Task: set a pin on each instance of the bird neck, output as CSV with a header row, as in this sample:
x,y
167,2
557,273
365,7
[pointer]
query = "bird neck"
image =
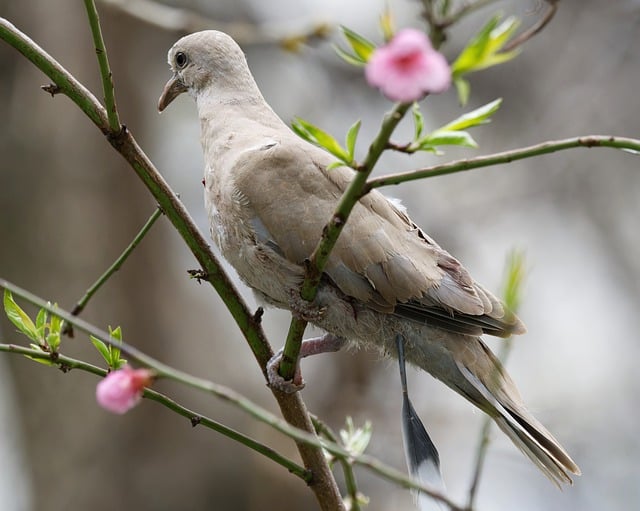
x,y
222,113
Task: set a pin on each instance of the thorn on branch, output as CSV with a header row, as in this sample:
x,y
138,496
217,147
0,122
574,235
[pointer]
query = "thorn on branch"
x,y
199,275
52,89
257,316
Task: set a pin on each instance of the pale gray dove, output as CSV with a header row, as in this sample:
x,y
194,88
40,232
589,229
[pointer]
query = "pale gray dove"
x,y
269,194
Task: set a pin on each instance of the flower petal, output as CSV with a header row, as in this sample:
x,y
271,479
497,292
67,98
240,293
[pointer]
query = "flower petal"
x,y
408,68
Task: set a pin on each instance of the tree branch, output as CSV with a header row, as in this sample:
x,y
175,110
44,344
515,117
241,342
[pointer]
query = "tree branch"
x,y
103,63
65,364
535,29
82,303
184,21
630,144
292,407
331,232
229,395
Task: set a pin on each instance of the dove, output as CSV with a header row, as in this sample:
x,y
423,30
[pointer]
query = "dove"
x,y
268,195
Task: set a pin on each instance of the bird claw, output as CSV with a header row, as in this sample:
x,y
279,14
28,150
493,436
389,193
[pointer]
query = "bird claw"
x,y
276,381
305,310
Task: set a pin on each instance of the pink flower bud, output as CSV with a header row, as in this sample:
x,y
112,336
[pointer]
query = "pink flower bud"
x,y
408,68
121,390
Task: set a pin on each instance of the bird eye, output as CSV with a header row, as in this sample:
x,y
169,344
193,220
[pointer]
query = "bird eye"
x,y
181,59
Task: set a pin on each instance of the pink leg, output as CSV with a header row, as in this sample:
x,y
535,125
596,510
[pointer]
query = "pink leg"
x,y
323,344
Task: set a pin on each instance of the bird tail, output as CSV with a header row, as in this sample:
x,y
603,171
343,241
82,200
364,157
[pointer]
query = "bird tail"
x,y
524,430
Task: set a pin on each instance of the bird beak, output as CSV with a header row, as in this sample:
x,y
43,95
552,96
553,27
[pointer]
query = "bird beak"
x,y
172,90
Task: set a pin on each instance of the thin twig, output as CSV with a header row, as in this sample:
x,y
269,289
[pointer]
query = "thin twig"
x,y
185,21
292,407
331,232
67,363
82,303
511,296
630,144
229,395
103,63
535,29
350,481
440,22
463,11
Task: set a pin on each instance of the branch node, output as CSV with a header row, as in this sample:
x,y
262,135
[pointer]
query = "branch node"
x,y
257,316
199,275
52,89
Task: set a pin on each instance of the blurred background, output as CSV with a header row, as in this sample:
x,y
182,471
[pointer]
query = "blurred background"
x,y
69,204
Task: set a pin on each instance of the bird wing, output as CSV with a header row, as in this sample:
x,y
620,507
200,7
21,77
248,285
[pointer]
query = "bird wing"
x,y
382,258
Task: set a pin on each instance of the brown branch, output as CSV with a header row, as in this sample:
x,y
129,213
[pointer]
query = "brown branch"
x,y
292,407
535,29
184,21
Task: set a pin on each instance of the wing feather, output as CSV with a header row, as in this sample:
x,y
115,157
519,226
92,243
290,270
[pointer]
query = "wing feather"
x,y
382,258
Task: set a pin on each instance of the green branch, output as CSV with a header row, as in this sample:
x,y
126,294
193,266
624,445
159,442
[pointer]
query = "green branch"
x,y
347,467
331,232
66,83
103,63
229,395
67,363
82,303
292,406
629,144
511,297
169,202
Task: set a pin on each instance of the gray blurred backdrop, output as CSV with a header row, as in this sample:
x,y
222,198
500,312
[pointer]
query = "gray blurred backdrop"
x,y
69,204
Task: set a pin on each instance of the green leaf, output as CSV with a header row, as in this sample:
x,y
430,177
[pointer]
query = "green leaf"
x,y
321,138
356,440
336,164
463,88
43,361
19,317
116,362
41,322
352,136
348,58
483,50
360,45
445,137
53,339
501,34
478,116
102,348
514,279
387,24
418,121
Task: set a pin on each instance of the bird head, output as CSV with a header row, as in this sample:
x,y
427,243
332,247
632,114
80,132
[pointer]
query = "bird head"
x,y
208,60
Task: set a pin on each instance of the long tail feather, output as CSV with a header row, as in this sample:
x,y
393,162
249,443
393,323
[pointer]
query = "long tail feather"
x,y
420,452
528,435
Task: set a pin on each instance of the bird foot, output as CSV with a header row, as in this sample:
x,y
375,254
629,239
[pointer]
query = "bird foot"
x,y
321,344
278,382
303,309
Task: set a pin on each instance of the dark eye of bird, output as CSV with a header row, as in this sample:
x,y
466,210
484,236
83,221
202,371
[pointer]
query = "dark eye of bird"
x,y
181,59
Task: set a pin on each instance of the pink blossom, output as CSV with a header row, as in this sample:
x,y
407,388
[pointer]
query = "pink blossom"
x,y
408,67
121,390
